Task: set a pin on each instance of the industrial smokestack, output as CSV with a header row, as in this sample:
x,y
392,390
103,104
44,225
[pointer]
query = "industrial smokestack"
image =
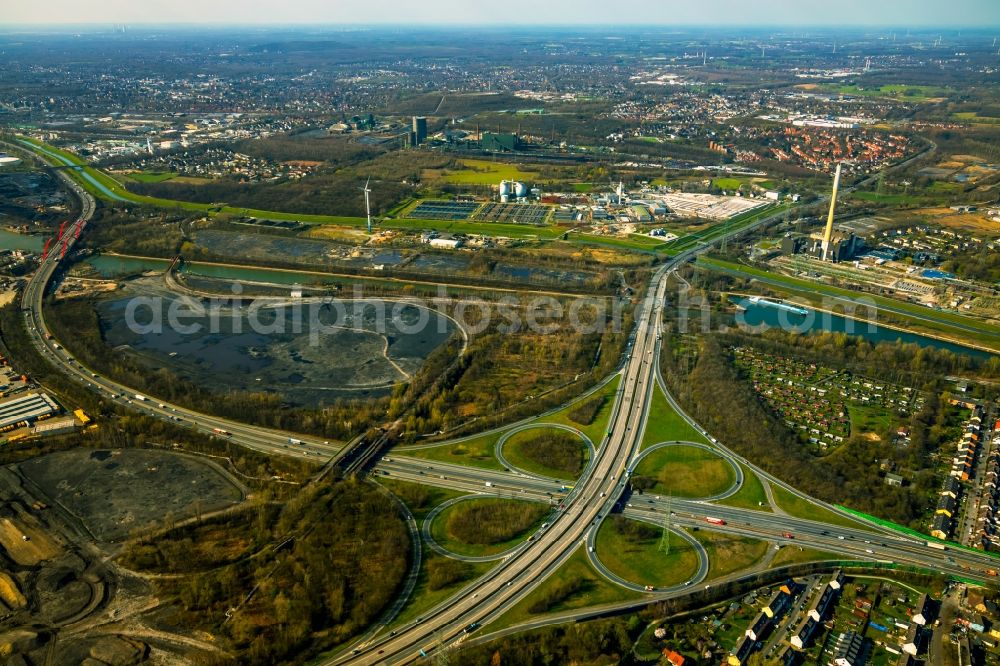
x,y
829,220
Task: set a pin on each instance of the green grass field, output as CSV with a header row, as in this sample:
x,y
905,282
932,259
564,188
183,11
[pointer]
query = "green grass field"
x,y
727,183
592,589
913,93
892,199
485,172
640,560
475,452
666,425
686,471
729,553
635,242
152,176
869,418
750,495
525,451
975,118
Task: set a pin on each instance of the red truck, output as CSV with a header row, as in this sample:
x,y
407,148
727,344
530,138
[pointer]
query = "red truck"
x,y
715,521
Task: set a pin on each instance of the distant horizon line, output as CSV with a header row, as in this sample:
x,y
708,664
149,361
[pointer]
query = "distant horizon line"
x,y
270,25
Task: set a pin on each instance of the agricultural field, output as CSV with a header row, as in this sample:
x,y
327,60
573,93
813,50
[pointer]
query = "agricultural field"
x,y
824,405
907,92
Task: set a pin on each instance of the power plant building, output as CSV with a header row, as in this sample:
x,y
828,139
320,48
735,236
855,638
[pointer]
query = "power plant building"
x,y
419,132
499,143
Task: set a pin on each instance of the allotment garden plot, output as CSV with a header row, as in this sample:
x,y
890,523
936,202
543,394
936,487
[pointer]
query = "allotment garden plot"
x,y
824,405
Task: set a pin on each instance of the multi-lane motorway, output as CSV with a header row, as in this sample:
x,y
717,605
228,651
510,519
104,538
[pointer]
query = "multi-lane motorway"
x,y
858,543
593,496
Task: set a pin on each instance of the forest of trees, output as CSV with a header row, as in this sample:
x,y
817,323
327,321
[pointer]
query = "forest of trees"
x,y
492,521
344,552
554,449
598,642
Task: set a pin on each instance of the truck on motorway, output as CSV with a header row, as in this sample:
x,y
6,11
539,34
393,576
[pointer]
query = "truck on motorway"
x,y
489,485
936,545
220,431
292,440
788,535
714,521
139,396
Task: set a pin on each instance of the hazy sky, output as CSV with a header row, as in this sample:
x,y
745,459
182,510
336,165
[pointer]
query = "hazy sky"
x,y
980,13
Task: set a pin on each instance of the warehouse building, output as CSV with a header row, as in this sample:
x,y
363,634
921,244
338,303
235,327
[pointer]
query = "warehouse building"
x,y
29,407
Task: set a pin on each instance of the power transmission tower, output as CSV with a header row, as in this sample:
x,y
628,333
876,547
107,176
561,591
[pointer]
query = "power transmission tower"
x,y
664,546
442,655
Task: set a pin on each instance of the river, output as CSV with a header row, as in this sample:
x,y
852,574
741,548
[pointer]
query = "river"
x,y
14,241
774,317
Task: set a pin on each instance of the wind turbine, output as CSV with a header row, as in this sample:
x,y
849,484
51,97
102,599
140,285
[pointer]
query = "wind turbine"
x,y
368,207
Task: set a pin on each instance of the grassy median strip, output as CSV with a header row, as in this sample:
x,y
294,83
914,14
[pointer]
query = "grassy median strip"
x,y
751,494
792,554
802,508
475,452
664,424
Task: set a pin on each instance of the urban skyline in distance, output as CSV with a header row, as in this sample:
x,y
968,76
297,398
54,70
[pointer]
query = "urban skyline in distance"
x,y
850,13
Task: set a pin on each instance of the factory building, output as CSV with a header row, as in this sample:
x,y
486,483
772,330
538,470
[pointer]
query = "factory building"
x,y
26,408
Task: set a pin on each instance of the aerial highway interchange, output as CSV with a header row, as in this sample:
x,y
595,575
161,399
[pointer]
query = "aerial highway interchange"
x,y
596,494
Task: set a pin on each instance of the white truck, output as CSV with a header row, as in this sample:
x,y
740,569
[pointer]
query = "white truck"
x,y
139,396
